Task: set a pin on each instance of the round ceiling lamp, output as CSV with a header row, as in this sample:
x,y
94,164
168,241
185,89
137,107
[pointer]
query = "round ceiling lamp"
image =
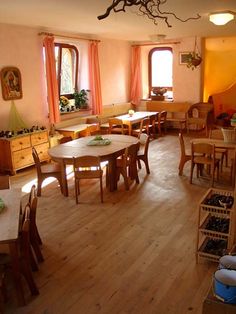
x,y
221,18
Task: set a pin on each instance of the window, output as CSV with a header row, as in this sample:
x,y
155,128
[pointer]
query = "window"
x,y
160,69
67,57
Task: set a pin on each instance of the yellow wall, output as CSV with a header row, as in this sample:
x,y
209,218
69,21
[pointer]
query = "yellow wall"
x,y
220,65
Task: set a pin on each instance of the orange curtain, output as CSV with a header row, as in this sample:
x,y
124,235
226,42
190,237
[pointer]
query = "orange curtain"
x,y
52,87
135,86
94,79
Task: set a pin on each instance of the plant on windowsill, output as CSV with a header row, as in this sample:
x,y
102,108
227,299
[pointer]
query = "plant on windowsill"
x,y
81,99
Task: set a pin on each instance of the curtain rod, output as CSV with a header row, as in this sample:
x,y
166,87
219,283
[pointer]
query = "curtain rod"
x,y
157,43
69,37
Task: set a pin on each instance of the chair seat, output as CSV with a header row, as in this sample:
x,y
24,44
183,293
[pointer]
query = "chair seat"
x,y
51,167
90,174
204,160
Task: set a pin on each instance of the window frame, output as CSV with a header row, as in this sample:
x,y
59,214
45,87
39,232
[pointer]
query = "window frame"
x,y
60,46
150,87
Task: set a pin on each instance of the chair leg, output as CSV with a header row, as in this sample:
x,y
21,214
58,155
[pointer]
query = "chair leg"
x,y
36,248
147,166
101,190
29,278
191,172
34,265
39,187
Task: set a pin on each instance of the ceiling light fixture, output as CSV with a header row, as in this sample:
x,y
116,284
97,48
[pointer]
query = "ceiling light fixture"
x,y
149,8
221,18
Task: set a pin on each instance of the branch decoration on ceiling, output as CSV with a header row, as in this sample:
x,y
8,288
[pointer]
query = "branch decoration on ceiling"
x,y
149,8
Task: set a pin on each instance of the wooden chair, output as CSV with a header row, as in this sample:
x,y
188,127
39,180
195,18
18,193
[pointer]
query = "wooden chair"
x,y
127,165
87,167
200,115
161,122
24,253
116,126
4,182
204,154
223,152
35,239
183,156
90,130
65,139
3,290
143,127
143,151
46,171
152,125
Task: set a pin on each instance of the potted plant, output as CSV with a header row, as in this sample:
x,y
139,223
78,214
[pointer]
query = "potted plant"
x,y
81,99
194,60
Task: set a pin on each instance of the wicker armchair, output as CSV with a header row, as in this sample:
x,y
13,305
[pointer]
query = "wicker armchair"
x,y
200,115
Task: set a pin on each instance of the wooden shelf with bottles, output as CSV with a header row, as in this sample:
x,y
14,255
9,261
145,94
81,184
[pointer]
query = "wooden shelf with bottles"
x,y
216,225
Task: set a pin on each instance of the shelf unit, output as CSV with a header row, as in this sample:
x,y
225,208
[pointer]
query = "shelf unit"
x,y
218,239
16,152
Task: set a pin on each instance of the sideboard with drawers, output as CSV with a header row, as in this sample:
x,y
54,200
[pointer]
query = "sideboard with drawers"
x,y
16,152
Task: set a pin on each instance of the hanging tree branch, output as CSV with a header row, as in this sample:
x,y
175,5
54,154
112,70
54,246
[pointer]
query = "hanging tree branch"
x,y
149,8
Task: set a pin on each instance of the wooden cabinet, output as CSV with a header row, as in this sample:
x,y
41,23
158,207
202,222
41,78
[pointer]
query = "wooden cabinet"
x,y
16,152
216,225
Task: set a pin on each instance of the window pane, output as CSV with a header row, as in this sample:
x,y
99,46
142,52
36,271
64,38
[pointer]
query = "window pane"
x,y
67,77
161,63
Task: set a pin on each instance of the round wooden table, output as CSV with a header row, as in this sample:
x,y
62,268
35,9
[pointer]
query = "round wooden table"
x,y
65,153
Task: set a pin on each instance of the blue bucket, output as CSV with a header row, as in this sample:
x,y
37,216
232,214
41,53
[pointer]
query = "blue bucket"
x,y
225,285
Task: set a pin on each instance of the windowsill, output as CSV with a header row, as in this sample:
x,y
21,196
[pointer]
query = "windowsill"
x,y
74,114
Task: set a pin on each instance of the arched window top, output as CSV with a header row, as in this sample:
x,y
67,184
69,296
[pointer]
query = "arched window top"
x,y
160,61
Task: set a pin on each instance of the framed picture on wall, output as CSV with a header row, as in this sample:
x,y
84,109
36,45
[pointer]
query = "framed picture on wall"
x,y
183,57
11,83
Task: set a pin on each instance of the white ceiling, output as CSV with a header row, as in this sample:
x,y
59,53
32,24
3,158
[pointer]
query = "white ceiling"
x,y
80,17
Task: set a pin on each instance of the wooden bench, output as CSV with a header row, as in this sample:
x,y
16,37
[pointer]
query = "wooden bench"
x,y
74,127
176,111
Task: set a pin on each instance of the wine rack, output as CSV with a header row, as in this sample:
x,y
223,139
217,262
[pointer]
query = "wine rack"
x,y
216,225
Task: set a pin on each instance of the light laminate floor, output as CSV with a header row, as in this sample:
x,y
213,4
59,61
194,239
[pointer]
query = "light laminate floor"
x,y
134,254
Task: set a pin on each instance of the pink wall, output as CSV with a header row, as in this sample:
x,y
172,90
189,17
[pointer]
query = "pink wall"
x,y
186,82
114,59
21,47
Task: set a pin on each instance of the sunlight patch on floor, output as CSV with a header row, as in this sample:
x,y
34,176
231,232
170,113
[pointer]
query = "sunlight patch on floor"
x,y
27,187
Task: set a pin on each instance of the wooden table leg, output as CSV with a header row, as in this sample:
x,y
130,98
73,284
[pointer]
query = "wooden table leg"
x,y
13,247
112,174
64,179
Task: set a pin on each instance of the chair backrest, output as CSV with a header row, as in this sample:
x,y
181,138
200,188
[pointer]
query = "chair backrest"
x,y
200,110
117,124
87,166
203,149
144,140
162,116
33,202
182,144
93,120
65,139
24,234
36,160
4,182
216,134
93,129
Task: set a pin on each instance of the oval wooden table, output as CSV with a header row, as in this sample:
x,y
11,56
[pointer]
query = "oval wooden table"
x,y
64,154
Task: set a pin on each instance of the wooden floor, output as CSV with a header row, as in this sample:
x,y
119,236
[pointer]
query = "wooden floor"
x,y
134,254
